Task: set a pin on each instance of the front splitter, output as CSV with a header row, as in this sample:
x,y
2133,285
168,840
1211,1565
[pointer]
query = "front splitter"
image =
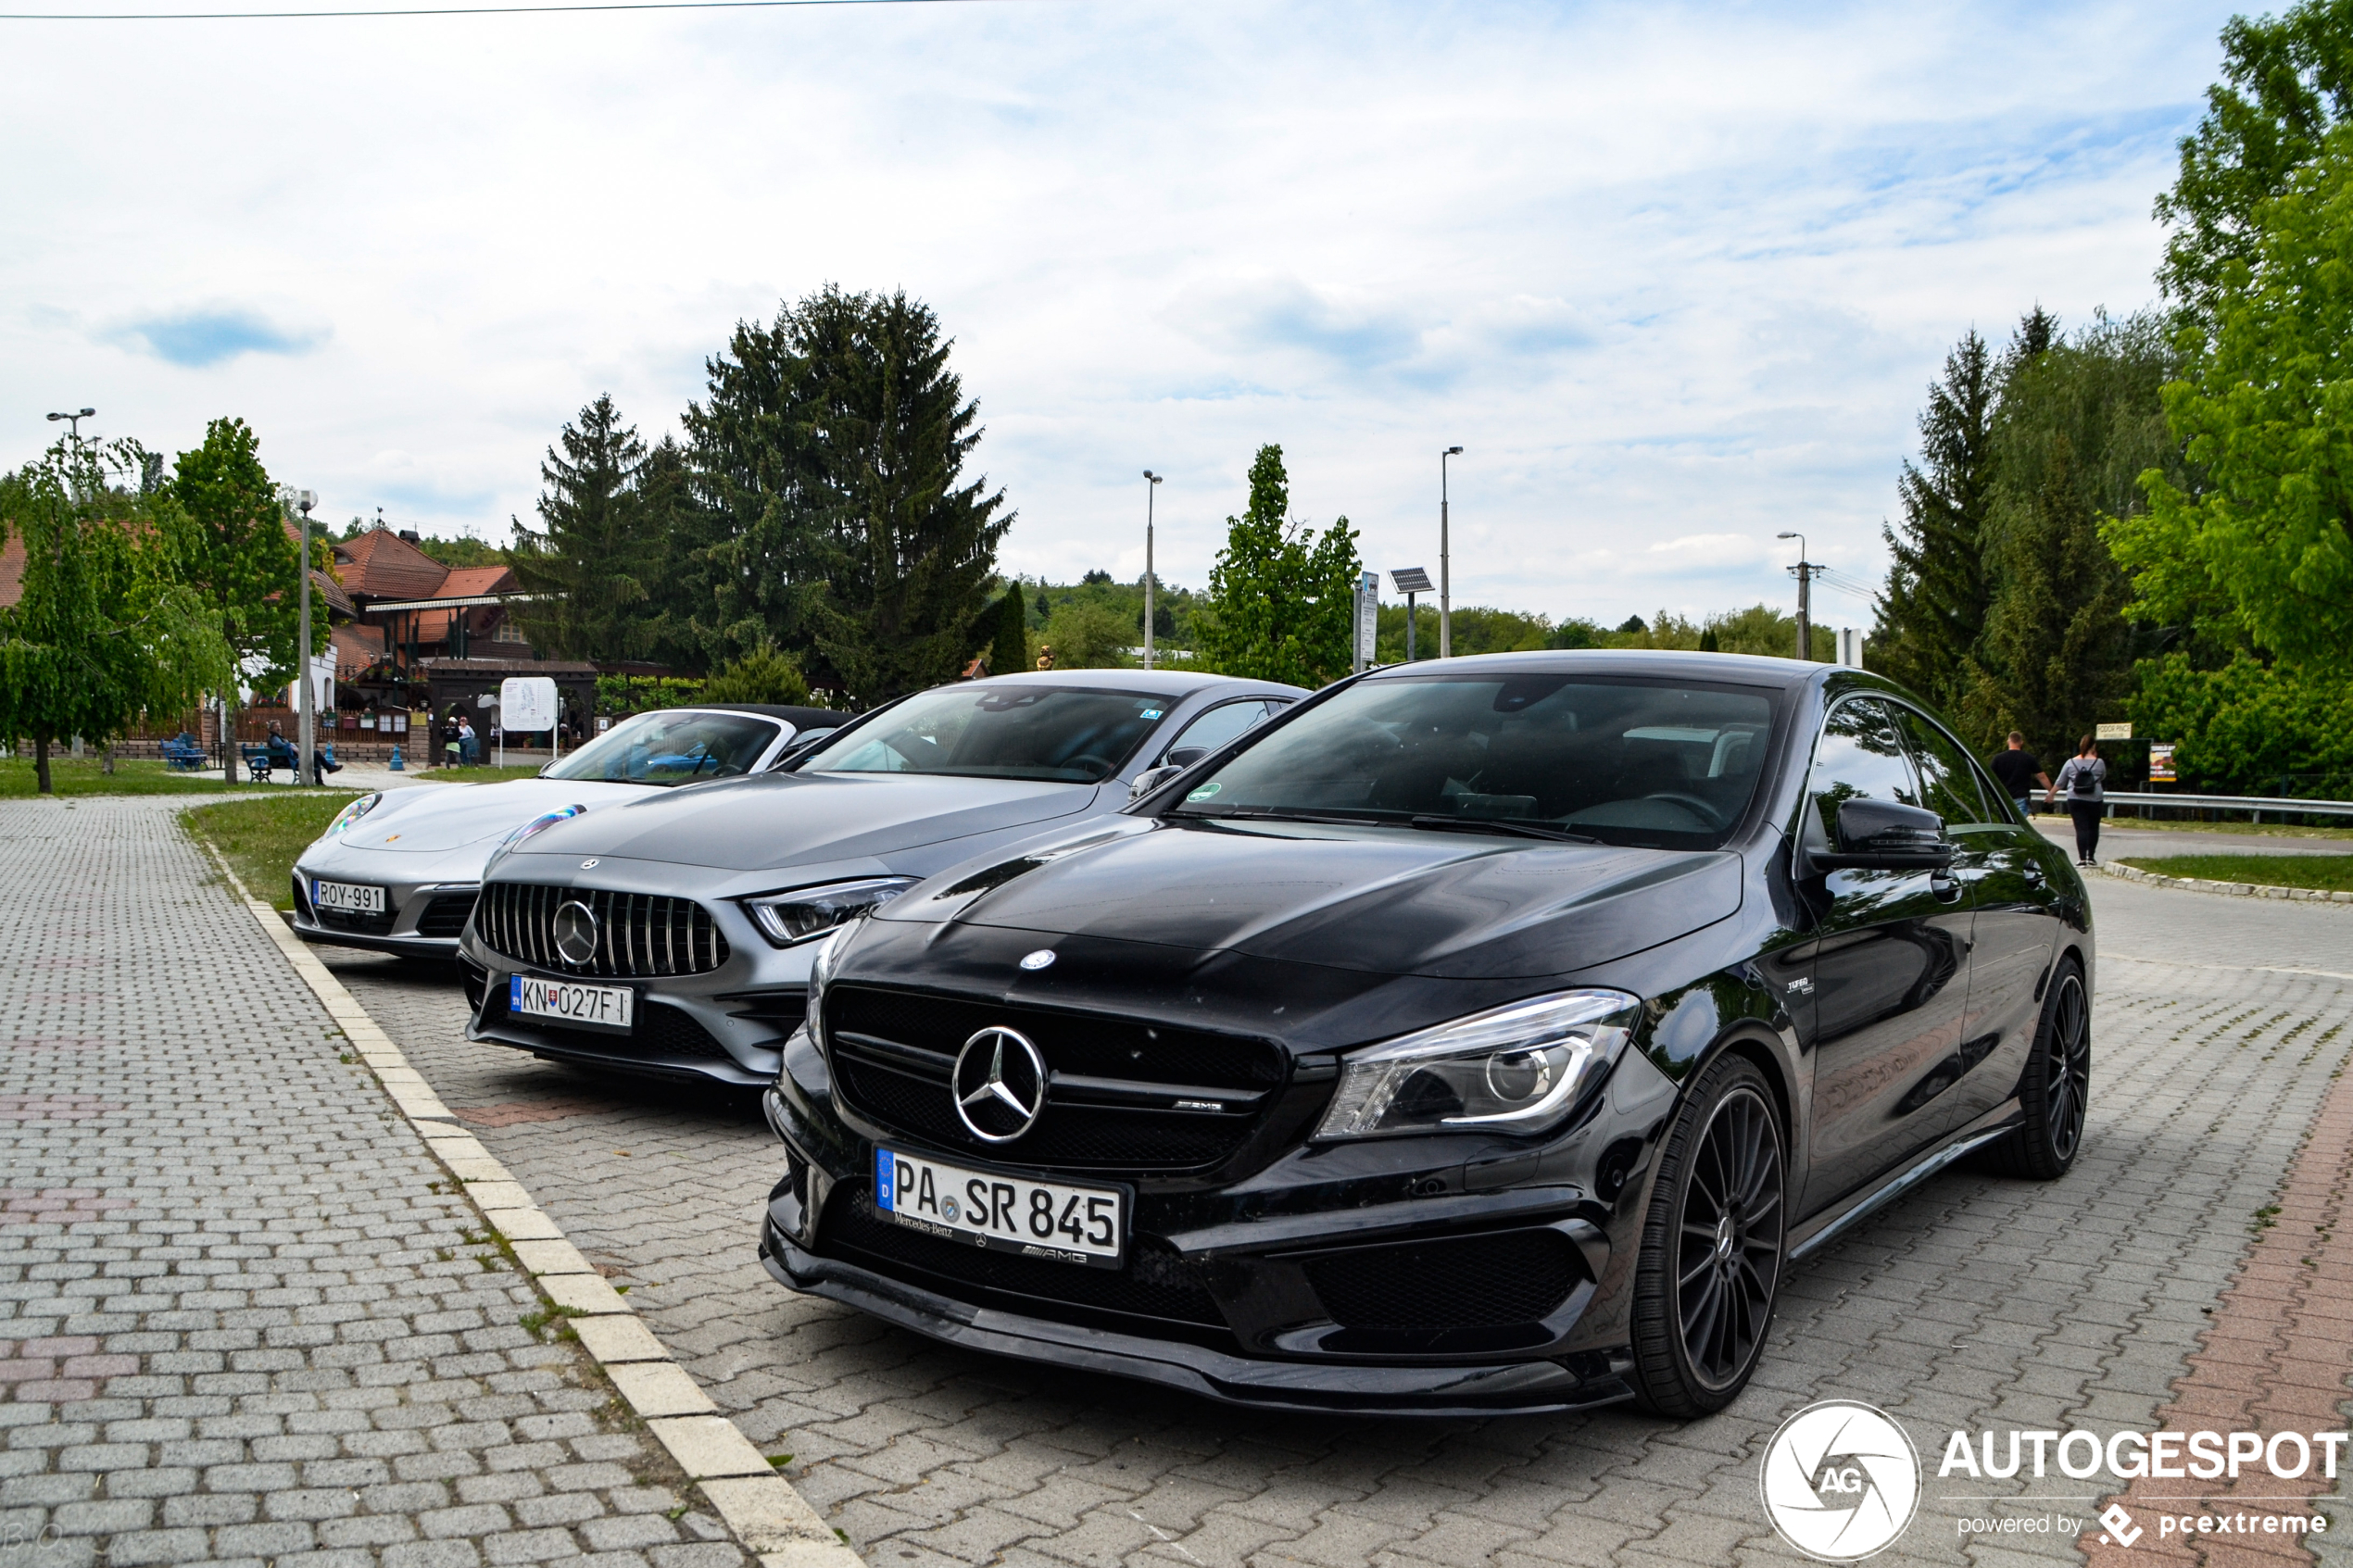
x,y
1306,1387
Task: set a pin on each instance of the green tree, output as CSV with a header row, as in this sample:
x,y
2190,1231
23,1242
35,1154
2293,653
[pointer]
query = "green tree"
x,y
586,571
1008,647
2287,82
907,544
765,674
107,627
745,562
2266,544
2249,727
1933,610
1086,635
1282,602
242,560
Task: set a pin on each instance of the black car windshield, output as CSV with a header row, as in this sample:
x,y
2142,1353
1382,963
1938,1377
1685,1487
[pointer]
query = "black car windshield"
x,y
1664,763
671,748
1063,734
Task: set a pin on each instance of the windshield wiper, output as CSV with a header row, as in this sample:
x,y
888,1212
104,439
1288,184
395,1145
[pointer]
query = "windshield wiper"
x,y
1290,814
1501,825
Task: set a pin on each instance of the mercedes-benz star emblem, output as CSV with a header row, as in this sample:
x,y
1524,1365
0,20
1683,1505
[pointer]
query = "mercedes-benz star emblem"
x,y
575,933
999,1085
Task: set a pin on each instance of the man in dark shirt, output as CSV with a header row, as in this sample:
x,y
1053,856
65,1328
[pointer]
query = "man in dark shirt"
x,y
2020,772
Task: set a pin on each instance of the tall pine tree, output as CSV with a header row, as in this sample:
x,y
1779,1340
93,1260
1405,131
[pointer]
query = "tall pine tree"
x,y
588,570
1009,644
1933,610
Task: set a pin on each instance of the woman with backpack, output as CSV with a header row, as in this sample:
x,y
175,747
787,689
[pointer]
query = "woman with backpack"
x,y
2079,781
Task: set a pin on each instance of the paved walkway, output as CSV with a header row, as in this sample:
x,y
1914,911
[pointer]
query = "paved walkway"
x,y
1976,1302
244,1320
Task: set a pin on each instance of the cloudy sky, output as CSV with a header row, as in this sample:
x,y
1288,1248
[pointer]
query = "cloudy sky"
x,y
1675,277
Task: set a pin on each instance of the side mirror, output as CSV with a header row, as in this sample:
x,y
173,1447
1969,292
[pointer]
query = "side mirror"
x,y
1151,779
1184,756
1883,836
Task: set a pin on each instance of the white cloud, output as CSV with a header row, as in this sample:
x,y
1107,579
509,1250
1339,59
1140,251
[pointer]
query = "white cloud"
x,y
1667,272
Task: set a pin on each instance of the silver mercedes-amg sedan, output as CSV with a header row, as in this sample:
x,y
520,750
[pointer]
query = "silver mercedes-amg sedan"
x,y
673,936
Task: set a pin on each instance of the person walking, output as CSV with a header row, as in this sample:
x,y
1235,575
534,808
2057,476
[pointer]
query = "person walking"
x,y
2019,772
2080,779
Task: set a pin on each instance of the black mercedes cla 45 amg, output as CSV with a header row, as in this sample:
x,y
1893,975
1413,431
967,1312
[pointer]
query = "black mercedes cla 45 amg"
x,y
1492,1035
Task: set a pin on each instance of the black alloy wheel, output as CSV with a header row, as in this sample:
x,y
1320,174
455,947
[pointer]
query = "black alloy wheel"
x,y
2055,1092
1710,1267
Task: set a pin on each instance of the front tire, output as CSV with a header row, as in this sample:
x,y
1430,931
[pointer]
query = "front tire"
x,y
1710,1267
2056,1089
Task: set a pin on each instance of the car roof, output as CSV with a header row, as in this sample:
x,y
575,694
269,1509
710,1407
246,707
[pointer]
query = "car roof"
x,y
798,718
1158,683
1751,669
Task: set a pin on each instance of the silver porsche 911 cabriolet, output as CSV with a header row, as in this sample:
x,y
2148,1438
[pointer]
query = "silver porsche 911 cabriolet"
x,y
398,871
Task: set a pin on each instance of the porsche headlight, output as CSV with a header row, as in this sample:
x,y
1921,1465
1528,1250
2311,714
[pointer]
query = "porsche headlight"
x,y
353,812
1515,1068
789,918
546,820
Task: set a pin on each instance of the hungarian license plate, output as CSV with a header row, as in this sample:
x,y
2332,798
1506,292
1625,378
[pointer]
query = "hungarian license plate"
x,y
1058,1220
567,1003
351,898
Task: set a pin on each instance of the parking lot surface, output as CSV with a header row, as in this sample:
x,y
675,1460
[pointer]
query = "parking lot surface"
x,y
244,1317
1974,1301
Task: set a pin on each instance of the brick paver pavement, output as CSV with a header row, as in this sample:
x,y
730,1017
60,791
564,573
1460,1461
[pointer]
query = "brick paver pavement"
x,y
243,1318
1974,1301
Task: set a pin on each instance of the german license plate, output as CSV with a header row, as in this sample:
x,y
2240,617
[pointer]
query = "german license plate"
x,y
567,1003
1058,1220
351,898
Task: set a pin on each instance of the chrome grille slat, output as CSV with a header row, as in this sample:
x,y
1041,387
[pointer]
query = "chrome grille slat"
x,y
640,936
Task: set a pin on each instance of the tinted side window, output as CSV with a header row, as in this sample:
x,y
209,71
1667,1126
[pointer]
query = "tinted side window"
x,y
1858,758
1944,771
1214,727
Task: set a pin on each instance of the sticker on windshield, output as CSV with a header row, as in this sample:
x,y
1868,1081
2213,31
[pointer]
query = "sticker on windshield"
x,y
1204,792
1152,713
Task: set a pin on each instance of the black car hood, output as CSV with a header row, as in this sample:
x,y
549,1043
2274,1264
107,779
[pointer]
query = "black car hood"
x,y
1383,902
778,819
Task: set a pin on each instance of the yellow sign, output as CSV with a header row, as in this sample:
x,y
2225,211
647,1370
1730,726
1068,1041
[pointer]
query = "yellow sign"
x,y
2112,731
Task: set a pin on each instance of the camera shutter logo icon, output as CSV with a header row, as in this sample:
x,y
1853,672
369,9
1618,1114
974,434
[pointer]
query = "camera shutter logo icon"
x,y
1841,1481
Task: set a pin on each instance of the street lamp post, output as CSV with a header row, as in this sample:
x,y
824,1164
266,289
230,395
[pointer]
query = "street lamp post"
x,y
1804,571
73,423
308,719
1445,578
1149,491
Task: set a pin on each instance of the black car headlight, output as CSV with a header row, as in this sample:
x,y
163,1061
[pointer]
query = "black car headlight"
x,y
788,917
1515,1068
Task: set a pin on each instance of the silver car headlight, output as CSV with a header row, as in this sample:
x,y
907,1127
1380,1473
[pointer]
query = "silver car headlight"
x,y
788,918
1515,1068
353,812
821,969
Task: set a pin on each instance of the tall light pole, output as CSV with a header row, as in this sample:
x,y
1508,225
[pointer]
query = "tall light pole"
x,y
73,423
1804,571
1446,579
308,720
1149,491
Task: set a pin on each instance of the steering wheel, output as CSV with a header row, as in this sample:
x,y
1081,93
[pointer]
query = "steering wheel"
x,y
1100,764
1694,804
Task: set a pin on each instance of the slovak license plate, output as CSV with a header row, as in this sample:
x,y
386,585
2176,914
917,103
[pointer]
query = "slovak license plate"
x,y
1057,1220
351,898
565,1001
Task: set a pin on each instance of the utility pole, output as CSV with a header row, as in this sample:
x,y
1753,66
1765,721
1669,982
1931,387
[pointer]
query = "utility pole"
x,y
1805,572
308,720
1149,491
1446,579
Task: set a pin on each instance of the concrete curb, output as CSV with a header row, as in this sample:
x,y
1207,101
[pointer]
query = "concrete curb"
x,y
2231,889
774,1522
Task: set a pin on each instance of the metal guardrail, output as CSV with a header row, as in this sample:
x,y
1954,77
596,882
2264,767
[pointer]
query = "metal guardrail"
x,y
2259,804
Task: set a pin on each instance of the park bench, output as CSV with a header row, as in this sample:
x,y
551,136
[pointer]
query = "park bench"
x,y
182,753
